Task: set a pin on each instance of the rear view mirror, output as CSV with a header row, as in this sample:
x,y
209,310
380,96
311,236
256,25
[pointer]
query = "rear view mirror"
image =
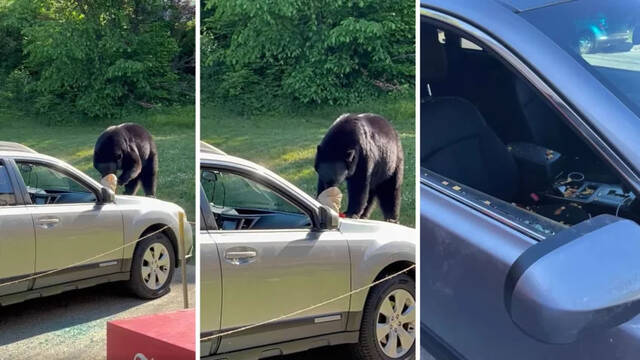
x,y
209,176
583,280
26,168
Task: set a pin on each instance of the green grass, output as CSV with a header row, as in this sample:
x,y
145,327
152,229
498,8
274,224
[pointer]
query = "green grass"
x,y
286,144
172,128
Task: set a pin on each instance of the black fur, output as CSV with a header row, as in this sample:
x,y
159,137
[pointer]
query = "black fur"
x,y
130,148
364,150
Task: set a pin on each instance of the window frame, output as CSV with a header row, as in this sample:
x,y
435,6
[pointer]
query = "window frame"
x,y
60,169
306,208
256,188
15,183
489,44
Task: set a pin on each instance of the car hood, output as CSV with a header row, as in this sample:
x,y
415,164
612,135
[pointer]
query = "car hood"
x,y
372,226
147,202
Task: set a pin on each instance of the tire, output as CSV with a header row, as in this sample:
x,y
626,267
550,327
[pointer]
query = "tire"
x,y
369,347
146,285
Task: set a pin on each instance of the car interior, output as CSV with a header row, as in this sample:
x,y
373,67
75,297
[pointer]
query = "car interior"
x,y
238,203
47,186
486,127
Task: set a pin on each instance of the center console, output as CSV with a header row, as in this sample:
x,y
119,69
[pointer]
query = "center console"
x,y
613,197
542,172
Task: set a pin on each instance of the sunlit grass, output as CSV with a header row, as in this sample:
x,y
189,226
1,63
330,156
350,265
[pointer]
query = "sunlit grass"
x,y
286,143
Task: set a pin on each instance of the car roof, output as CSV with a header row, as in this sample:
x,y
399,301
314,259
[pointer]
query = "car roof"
x,y
210,149
517,6
526,5
211,153
15,147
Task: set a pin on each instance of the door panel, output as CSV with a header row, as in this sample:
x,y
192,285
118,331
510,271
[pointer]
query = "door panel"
x,y
210,293
17,247
69,234
465,257
267,274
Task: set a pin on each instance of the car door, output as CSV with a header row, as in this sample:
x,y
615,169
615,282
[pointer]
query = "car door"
x,y
73,232
466,254
210,281
282,267
17,241
469,243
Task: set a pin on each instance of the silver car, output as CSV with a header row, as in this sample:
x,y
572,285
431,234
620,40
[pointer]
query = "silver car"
x,y
268,249
59,228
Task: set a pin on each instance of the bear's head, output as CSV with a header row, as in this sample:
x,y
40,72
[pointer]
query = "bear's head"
x,y
334,168
109,152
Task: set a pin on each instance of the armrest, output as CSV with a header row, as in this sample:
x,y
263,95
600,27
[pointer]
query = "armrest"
x,y
537,165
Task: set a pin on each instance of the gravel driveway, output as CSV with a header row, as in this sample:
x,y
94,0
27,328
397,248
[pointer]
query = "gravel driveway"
x,y
73,325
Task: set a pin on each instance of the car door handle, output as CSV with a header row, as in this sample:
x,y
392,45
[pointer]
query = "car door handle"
x,y
48,222
240,254
238,257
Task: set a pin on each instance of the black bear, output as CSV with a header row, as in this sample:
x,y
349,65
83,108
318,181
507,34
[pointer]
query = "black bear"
x,y
364,150
128,147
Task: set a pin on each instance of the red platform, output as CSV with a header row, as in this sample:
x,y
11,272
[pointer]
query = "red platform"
x,y
158,337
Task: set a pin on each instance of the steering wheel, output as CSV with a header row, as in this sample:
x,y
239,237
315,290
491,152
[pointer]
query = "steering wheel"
x,y
48,198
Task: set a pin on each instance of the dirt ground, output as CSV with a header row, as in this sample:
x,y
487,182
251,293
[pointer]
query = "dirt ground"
x,y
73,325
334,353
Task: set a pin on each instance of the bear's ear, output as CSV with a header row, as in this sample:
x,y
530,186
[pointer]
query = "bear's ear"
x,y
351,155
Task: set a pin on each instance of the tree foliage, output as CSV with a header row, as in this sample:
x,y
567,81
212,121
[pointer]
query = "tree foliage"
x,y
96,57
306,51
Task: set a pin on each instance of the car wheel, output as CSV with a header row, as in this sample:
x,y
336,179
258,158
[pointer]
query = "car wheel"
x,y
587,43
388,329
152,267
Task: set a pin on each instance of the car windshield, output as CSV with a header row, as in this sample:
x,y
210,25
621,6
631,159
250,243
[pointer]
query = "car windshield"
x,y
603,35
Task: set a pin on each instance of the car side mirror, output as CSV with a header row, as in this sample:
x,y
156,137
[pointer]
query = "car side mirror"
x,y
583,280
329,219
106,195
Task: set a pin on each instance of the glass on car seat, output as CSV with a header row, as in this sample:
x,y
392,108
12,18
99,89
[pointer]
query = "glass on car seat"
x,y
48,186
239,203
7,195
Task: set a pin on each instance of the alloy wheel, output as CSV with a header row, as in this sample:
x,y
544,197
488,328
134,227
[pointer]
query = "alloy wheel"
x,y
156,265
395,329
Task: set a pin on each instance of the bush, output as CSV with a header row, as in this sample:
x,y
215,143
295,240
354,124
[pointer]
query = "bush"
x,y
98,59
264,54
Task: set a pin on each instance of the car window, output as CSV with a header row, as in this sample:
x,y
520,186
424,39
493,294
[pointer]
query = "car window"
x,y
7,195
490,135
239,203
46,185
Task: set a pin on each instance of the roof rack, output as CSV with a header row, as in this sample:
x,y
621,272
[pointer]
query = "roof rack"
x,y
210,149
14,146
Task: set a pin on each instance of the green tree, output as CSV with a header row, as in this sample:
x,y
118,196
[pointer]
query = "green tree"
x,y
306,51
98,57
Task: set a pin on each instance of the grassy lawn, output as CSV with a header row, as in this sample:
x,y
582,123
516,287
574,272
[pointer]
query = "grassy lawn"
x,y
173,130
286,144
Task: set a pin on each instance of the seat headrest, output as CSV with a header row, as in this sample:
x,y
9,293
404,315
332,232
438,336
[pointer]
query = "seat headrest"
x,y
433,57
